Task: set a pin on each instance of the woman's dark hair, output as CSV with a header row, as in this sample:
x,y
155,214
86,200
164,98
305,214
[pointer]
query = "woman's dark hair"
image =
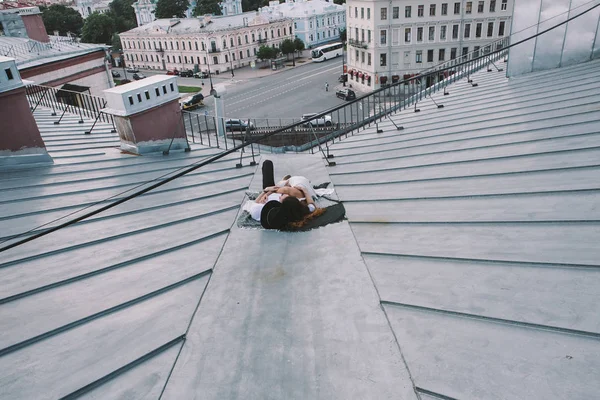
x,y
294,208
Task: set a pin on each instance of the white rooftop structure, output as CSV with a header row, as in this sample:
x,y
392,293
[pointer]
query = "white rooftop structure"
x,y
141,95
9,75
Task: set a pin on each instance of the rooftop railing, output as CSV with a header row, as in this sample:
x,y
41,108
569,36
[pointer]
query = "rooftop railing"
x,y
63,101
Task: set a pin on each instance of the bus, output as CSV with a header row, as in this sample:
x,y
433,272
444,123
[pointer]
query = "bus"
x,y
327,52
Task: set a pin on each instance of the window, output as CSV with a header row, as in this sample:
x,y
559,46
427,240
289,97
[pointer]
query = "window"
x,y
147,94
355,32
355,13
407,11
157,91
465,51
395,12
226,58
443,29
419,56
368,13
478,30
467,31
164,89
503,5
432,10
429,55
456,8
453,53
444,8
490,31
369,35
492,5
419,34
384,13
9,74
168,60
356,58
177,45
196,43
420,10
362,35
383,36
362,13
442,54
284,31
475,51
179,59
368,58
382,60
248,52
241,55
278,32
172,87
407,34
480,6
139,97
469,7
130,100
215,60
362,57
431,33
501,28
455,31
185,59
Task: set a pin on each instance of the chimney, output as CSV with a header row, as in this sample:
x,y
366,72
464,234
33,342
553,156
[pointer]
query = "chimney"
x,y
32,19
147,115
20,139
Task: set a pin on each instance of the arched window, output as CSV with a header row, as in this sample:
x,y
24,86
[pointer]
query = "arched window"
x,y
196,43
185,59
183,46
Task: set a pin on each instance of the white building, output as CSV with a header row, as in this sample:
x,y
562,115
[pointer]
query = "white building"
x,y
87,7
144,9
315,22
389,41
220,43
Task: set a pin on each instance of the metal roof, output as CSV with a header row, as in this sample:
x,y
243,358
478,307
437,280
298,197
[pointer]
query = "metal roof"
x,y
467,268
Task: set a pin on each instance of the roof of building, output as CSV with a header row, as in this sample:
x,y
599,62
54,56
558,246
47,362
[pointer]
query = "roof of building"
x,y
302,9
468,266
29,53
197,25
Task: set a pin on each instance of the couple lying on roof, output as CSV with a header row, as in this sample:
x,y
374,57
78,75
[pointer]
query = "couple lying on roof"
x,y
290,200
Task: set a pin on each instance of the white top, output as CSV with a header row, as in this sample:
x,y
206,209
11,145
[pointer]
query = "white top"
x,y
255,208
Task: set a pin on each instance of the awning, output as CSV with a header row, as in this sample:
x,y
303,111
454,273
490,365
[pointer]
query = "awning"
x,y
360,74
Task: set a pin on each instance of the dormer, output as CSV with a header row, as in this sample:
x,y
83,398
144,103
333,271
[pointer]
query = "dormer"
x,y
9,75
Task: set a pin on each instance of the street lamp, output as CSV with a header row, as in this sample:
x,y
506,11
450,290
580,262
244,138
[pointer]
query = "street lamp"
x,y
344,76
212,89
231,63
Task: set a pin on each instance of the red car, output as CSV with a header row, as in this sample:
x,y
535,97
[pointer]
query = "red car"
x,y
173,72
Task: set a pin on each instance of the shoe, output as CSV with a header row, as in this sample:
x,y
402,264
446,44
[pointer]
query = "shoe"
x,y
322,185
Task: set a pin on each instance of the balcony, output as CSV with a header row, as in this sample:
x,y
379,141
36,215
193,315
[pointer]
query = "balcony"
x,y
358,43
262,40
214,50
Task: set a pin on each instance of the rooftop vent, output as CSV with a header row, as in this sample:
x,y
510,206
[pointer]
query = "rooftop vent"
x,y
174,21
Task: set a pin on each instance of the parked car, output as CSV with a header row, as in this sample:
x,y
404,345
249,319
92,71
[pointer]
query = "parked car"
x,y
321,121
346,94
201,75
173,72
187,73
115,74
133,70
194,102
343,78
138,76
238,125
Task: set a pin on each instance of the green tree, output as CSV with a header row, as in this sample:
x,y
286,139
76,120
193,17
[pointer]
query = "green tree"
x,y
123,14
204,7
343,35
288,47
340,2
171,8
298,44
266,53
116,42
62,19
98,28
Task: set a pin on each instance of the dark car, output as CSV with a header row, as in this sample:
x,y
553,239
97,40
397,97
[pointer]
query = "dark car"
x,y
133,70
346,94
115,74
186,74
201,75
137,77
238,125
343,78
194,102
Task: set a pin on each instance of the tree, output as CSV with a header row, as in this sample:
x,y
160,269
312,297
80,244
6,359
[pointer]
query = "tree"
x,y
171,8
298,44
343,35
98,28
340,2
123,14
62,19
204,7
265,53
288,46
116,42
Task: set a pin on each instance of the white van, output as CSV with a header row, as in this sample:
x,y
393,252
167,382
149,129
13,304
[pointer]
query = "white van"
x,y
321,121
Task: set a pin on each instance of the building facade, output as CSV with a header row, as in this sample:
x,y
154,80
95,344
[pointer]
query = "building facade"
x,y
88,7
144,9
388,41
217,43
315,22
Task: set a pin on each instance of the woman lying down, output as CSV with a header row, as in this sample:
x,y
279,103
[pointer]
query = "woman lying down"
x,y
277,206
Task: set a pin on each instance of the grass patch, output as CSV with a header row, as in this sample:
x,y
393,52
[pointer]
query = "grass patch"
x,y
189,89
